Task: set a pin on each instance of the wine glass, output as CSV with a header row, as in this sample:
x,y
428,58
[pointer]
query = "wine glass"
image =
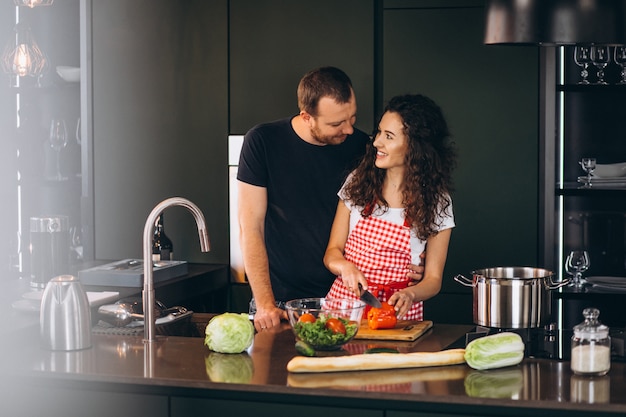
x,y
588,165
78,135
619,56
58,141
582,58
600,57
576,263
76,242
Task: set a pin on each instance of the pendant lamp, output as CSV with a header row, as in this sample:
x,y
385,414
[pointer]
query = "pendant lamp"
x,y
22,55
33,3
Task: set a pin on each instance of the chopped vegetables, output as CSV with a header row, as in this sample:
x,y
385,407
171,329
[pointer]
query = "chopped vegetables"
x,y
382,318
304,349
336,326
307,318
326,332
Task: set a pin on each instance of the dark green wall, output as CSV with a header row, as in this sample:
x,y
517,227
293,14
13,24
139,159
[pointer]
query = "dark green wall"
x,y
160,122
173,79
274,42
489,95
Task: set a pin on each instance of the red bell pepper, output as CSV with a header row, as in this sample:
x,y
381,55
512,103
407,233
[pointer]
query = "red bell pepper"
x,y
382,318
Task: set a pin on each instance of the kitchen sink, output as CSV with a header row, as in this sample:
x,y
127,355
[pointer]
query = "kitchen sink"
x,y
191,325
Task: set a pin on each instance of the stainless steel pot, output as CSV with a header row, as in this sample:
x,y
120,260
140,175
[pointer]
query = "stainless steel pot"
x,y
511,297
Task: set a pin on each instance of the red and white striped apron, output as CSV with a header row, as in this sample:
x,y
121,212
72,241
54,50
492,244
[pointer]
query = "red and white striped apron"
x,y
382,251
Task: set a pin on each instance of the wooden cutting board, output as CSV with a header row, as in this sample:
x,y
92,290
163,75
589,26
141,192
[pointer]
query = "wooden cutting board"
x,y
406,330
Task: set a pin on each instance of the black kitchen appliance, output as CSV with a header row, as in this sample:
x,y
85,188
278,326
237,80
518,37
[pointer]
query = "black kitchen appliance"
x,y
547,342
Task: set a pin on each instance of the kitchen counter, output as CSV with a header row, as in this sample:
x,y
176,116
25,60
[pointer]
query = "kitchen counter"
x,y
179,376
203,288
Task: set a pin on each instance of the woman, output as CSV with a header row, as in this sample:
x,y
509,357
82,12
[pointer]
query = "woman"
x,y
395,205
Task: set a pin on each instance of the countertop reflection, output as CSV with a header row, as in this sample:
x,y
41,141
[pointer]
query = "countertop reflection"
x,y
185,362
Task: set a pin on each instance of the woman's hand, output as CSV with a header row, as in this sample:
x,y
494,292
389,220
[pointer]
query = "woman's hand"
x,y
352,277
334,259
401,301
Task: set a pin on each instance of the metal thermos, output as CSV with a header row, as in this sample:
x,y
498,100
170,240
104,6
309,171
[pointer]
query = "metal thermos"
x,y
49,249
65,317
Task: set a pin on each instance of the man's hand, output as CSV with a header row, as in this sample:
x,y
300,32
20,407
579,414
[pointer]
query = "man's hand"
x,y
268,318
416,273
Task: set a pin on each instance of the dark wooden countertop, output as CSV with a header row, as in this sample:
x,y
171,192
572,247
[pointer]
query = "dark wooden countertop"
x,y
182,369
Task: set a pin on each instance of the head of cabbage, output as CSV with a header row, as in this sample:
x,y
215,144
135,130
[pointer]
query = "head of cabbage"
x,y
495,383
229,368
229,333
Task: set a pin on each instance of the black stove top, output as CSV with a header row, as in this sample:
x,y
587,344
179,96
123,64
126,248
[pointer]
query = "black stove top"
x,y
546,342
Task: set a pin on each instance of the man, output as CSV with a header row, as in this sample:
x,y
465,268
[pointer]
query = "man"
x,y
289,173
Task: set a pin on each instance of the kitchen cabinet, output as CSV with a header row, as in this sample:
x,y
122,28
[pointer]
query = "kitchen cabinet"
x,y
583,121
590,124
39,180
184,407
153,106
423,414
489,95
60,400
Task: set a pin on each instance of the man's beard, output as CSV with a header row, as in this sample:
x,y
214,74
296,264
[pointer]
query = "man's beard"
x,y
326,139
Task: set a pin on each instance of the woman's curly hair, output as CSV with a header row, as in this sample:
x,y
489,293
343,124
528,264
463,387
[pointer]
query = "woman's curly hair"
x,y
430,160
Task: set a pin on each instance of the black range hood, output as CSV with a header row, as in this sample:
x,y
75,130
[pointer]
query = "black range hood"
x,y
555,22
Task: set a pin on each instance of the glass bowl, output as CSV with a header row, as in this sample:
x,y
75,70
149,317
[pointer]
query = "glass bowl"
x,y
323,323
69,74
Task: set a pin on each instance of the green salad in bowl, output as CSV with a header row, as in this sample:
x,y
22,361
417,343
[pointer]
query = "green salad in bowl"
x,y
325,324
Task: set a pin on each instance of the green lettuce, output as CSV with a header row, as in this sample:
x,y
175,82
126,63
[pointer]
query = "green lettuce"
x,y
229,333
500,383
319,337
495,351
222,367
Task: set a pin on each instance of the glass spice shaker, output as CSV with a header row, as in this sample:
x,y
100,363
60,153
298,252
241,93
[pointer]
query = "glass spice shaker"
x,y
591,346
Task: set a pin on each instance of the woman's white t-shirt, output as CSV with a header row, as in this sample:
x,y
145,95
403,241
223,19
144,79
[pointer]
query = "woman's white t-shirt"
x,y
396,216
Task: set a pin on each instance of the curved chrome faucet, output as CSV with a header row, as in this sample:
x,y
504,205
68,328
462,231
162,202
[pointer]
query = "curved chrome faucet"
x,y
148,270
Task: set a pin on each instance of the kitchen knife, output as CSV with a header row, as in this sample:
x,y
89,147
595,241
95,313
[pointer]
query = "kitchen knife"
x,y
369,298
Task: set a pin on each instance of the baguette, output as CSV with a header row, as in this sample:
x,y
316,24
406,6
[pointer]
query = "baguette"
x,y
382,377
373,361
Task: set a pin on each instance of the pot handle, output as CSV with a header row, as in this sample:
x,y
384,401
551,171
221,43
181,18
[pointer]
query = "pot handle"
x,y
555,285
463,281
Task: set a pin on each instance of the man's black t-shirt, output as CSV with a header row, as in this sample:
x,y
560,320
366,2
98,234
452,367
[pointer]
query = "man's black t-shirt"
x,y
302,181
